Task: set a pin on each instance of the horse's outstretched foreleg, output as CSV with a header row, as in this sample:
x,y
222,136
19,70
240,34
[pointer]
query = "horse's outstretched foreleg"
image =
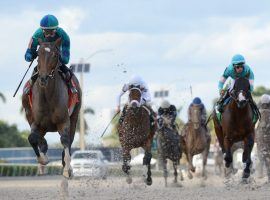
x,y
165,170
34,139
43,147
126,164
248,145
64,129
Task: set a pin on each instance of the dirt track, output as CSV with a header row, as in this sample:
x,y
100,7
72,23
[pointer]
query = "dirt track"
x,y
116,188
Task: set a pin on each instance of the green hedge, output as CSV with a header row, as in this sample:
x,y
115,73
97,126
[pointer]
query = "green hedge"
x,y
27,170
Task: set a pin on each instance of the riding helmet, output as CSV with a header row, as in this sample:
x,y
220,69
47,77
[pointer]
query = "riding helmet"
x,y
49,22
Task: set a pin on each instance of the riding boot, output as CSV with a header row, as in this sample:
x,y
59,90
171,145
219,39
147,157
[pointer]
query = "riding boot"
x,y
221,102
68,78
32,80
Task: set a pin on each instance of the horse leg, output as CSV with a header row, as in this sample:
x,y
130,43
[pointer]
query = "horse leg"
x,y
64,129
43,146
175,171
190,165
267,165
34,139
147,161
165,171
248,145
126,164
205,155
228,156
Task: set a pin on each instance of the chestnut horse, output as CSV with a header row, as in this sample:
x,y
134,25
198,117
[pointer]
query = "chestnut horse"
x,y
135,131
195,139
237,125
48,110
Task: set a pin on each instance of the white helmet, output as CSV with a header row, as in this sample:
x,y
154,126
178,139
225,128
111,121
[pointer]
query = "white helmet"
x,y
165,104
265,99
136,80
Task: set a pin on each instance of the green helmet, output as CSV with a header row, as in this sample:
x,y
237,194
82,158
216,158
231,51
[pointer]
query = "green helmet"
x,y
49,22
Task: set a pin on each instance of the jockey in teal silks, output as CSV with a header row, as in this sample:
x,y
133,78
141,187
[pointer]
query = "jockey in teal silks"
x,y
237,68
50,32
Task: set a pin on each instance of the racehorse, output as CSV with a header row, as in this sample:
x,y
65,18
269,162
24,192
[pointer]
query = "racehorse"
x,y
47,107
237,125
135,131
168,141
195,139
263,140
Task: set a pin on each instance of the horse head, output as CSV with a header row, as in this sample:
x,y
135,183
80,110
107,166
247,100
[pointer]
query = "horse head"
x,y
196,113
135,94
241,92
48,60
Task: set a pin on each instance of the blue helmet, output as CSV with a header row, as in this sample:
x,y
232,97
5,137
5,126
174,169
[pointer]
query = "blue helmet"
x,y
49,22
196,100
237,59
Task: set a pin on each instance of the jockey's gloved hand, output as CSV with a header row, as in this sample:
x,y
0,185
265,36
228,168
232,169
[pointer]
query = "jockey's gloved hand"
x,y
28,55
222,92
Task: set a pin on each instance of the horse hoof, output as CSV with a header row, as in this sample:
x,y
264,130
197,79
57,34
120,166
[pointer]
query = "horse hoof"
x,y
244,180
43,159
68,173
245,175
129,180
193,169
190,176
149,181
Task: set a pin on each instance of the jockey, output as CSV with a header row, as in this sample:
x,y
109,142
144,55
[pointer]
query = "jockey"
x,y
167,109
50,32
145,97
237,68
197,102
264,102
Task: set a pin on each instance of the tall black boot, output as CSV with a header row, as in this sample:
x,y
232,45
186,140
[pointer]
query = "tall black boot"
x,y
221,101
68,76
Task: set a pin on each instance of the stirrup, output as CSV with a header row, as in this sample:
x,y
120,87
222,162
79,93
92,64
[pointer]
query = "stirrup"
x,y
73,90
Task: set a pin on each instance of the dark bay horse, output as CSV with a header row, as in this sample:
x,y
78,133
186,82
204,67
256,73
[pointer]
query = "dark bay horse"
x,y
48,110
195,139
237,125
168,141
135,131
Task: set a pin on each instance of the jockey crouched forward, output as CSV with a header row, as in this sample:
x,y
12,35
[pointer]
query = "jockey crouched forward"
x,y
237,68
145,98
50,32
167,111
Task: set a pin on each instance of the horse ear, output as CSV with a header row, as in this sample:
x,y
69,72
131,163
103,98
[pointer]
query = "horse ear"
x,y
39,41
58,42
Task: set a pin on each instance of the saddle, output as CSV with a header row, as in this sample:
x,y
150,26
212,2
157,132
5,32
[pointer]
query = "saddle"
x,y
255,110
72,100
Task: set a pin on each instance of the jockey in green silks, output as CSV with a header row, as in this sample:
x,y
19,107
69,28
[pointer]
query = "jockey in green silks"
x,y
50,32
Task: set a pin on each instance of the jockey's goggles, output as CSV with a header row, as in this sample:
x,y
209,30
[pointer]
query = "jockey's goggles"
x,y
238,66
49,32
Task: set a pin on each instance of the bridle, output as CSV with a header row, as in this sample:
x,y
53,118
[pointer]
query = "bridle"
x,y
51,75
